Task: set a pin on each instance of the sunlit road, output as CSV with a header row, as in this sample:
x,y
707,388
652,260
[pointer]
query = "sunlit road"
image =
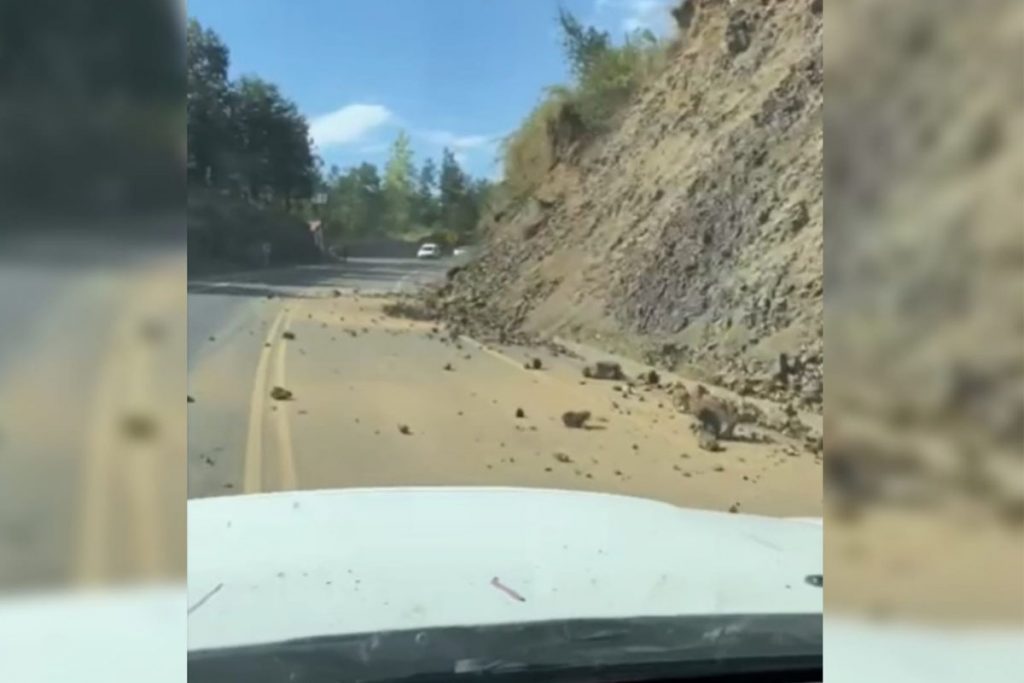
x,y
378,400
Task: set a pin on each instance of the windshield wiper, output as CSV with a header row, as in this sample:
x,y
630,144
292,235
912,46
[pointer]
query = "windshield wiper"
x,y
692,647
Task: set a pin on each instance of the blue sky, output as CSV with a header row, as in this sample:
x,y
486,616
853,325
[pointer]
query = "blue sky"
x,y
456,73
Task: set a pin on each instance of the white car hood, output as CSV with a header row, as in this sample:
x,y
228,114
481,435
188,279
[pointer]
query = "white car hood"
x,y
273,567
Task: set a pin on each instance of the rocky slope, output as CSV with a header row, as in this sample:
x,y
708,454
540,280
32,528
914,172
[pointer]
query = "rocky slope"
x,y
691,235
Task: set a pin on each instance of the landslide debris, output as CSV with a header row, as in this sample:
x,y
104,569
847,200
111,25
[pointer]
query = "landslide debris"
x,y
689,236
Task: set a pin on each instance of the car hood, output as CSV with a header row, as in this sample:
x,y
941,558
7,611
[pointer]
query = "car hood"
x,y
273,567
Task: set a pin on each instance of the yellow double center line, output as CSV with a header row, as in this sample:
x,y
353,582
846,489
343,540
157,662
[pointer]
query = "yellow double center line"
x,y
128,445
271,354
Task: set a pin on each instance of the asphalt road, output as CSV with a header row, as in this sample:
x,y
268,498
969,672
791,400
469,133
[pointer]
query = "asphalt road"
x,y
91,446
382,401
93,373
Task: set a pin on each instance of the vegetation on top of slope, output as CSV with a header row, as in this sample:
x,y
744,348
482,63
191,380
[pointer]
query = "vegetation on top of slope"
x,y
605,77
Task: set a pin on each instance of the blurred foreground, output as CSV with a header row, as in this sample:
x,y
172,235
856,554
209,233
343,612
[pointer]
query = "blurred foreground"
x,y
925,328
92,352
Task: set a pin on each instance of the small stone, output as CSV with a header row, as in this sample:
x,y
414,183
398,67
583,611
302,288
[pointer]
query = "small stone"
x,y
288,335
281,394
575,419
139,427
562,458
153,331
520,413
404,429
708,441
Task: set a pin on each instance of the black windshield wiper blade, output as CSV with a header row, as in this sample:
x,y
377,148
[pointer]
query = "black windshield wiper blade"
x,y
692,645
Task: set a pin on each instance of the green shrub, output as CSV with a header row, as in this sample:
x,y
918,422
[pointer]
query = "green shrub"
x,y
614,77
528,153
605,79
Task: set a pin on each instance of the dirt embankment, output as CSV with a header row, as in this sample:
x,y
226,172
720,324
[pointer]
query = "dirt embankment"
x,y
690,236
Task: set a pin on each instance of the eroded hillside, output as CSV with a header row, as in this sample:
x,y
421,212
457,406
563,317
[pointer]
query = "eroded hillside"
x,y
690,235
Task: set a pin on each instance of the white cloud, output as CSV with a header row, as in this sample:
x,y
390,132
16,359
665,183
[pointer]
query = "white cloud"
x,y
444,138
349,124
632,15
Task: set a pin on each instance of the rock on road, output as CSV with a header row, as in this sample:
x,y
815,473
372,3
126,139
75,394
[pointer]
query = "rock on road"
x,y
378,400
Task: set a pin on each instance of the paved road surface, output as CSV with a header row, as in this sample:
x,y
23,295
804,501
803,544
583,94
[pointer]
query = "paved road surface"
x,y
92,416
380,401
91,421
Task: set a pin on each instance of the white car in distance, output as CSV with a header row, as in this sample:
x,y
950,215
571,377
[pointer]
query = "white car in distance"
x,y
429,250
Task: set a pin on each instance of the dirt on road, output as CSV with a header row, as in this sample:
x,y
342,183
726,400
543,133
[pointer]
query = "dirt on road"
x,y
376,400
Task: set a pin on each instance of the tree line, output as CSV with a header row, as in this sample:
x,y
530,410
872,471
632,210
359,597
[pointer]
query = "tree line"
x,y
243,136
248,140
438,200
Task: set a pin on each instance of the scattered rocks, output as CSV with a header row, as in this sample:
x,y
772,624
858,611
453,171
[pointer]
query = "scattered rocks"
x,y
738,32
814,443
575,419
708,441
281,394
152,331
604,370
533,364
710,295
139,427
